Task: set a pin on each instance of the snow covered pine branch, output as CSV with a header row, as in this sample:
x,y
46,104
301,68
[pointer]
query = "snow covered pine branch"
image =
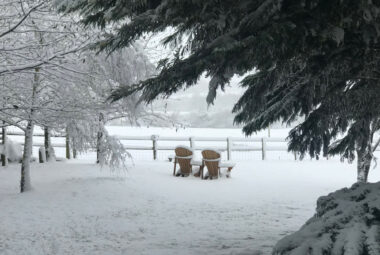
x,y
346,222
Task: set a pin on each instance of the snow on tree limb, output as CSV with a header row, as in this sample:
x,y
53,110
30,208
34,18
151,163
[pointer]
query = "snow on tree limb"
x,y
12,29
346,222
39,63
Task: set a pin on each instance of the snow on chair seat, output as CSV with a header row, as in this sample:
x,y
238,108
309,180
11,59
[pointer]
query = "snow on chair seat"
x,y
229,165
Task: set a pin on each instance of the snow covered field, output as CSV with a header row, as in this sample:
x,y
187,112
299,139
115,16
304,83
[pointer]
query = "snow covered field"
x,y
78,208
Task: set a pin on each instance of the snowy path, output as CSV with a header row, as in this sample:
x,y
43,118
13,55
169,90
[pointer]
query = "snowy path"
x,y
77,209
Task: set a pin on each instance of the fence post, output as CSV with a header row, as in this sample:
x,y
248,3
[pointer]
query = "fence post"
x,y
47,144
191,139
229,148
154,140
263,148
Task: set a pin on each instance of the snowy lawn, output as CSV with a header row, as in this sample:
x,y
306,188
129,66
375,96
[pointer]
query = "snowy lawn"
x,y
75,208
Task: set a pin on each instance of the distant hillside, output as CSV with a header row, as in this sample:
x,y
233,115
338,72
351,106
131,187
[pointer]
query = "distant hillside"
x,y
189,107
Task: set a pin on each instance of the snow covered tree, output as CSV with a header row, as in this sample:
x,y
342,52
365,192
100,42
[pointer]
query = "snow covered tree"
x,y
43,81
106,73
33,55
344,124
27,29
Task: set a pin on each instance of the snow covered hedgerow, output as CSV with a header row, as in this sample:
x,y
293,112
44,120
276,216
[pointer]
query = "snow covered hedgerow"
x,y
346,222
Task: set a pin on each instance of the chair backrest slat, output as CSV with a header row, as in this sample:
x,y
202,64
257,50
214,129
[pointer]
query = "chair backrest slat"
x,y
211,159
183,157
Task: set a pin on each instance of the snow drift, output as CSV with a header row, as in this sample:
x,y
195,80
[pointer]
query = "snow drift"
x,y
346,222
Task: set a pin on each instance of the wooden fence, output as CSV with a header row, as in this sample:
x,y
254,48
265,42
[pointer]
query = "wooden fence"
x,y
257,144
15,133
261,144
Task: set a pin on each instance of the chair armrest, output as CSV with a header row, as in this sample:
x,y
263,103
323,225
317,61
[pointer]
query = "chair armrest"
x,y
227,164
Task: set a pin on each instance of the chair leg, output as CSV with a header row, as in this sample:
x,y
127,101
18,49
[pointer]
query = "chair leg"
x,y
201,171
175,164
229,172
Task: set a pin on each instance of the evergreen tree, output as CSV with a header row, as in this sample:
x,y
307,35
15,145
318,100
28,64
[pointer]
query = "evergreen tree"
x,y
313,59
308,56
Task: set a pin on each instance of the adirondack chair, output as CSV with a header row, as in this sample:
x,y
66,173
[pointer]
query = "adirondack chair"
x,y
212,160
183,156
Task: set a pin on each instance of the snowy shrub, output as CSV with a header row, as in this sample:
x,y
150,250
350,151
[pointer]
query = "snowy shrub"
x,y
112,152
52,156
13,151
82,134
42,154
346,222
84,137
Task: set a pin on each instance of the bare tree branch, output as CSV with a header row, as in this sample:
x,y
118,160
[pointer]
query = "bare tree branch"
x,y
20,21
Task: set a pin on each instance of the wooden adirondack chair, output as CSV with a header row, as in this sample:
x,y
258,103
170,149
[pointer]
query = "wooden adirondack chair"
x,y
183,156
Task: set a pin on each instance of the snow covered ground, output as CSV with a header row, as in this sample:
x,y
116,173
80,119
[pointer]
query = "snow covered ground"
x,y
76,208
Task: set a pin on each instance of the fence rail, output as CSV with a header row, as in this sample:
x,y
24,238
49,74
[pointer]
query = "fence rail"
x,y
261,144
12,133
231,144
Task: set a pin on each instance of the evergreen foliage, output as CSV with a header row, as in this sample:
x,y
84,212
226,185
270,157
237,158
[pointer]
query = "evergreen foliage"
x,y
346,222
312,59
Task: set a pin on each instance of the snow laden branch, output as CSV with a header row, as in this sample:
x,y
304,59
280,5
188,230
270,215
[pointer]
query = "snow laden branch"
x,y
112,153
38,63
84,137
38,37
12,29
346,222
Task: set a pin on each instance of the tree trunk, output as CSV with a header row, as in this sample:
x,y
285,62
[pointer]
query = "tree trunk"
x,y
74,149
4,159
25,183
47,143
68,155
100,136
49,150
363,165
